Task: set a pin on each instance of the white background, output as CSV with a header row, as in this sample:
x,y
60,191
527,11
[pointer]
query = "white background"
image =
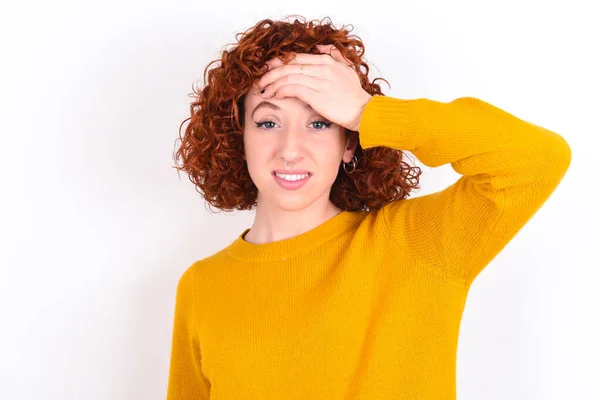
x,y
96,226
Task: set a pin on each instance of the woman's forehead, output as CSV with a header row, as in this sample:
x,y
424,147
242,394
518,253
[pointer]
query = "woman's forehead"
x,y
287,104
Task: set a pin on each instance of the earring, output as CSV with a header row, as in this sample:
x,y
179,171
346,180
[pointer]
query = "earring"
x,y
353,163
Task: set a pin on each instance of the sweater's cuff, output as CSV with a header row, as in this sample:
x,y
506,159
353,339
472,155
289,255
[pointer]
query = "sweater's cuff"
x,y
385,121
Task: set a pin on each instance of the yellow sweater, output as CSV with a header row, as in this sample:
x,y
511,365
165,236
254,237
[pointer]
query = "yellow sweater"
x,y
368,304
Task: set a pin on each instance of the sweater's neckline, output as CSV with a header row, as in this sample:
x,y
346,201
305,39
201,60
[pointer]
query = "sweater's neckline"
x,y
287,248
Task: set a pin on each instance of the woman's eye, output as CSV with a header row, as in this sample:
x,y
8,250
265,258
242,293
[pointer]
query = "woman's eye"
x,y
262,123
266,124
326,124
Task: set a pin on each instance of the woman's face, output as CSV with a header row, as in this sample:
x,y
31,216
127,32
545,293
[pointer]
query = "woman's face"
x,y
289,129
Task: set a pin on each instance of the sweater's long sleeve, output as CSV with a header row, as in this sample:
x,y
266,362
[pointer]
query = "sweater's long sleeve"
x,y
186,380
509,168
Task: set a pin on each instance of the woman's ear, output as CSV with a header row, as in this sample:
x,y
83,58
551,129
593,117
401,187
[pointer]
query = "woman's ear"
x,y
352,141
351,145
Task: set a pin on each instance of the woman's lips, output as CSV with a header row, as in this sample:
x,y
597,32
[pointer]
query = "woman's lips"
x,y
291,185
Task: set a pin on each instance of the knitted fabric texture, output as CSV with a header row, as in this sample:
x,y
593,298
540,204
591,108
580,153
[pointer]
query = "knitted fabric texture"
x,y
367,305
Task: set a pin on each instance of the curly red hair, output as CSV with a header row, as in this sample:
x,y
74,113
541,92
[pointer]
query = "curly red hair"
x,y
212,149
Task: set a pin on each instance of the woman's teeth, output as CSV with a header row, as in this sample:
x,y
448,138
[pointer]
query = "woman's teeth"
x,y
291,178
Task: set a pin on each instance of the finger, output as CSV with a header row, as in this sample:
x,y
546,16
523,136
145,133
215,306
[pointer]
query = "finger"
x,y
326,48
334,52
310,82
290,69
301,92
300,58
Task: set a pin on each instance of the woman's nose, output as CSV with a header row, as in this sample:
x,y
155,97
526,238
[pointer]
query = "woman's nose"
x,y
291,138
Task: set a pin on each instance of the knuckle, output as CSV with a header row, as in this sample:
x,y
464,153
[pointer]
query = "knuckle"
x,y
328,72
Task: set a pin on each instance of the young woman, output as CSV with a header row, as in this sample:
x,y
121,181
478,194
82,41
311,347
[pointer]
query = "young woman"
x,y
343,287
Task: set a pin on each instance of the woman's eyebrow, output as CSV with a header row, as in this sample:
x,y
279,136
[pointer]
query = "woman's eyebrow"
x,y
275,107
